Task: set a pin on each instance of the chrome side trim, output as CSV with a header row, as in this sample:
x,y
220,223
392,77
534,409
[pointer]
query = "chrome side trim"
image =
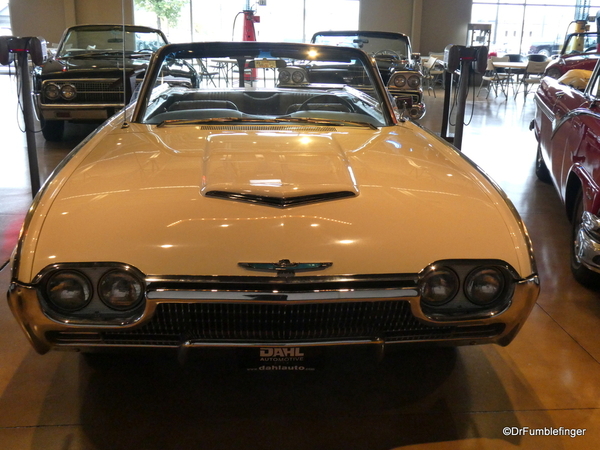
x,y
570,115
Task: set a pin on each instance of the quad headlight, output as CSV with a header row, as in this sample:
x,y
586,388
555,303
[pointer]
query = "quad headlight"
x,y
68,92
399,80
440,286
466,289
69,290
92,292
483,286
52,91
414,81
405,80
120,290
292,76
284,76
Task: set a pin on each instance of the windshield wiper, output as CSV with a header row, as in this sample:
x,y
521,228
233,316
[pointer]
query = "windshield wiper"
x,y
276,120
94,54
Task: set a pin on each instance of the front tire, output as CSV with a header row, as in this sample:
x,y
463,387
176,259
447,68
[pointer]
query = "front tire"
x,y
52,130
582,274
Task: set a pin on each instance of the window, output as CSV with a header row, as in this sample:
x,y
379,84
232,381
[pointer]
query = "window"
x,y
280,20
531,26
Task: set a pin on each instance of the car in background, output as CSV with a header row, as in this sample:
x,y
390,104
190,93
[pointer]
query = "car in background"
x,y
546,49
292,212
92,75
567,128
579,51
393,55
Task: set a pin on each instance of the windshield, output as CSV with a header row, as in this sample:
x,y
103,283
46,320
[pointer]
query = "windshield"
x,y
378,46
261,83
580,43
96,40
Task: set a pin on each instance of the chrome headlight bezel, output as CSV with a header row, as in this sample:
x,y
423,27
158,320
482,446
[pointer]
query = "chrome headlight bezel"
x,y
120,289
68,92
96,309
466,303
52,91
414,81
63,286
398,80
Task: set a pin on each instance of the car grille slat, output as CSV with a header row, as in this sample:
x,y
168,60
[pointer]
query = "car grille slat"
x,y
175,323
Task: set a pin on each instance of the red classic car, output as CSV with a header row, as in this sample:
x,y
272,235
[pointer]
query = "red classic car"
x,y
567,128
561,65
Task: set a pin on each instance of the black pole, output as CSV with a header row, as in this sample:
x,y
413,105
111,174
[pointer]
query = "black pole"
x,y
463,92
34,173
448,76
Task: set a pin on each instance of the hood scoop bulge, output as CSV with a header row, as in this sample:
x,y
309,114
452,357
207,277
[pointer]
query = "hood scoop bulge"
x,y
280,202
280,170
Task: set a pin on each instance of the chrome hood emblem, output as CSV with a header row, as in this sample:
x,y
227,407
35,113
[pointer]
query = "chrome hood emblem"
x,y
285,266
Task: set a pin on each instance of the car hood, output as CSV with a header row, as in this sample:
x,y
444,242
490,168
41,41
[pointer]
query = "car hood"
x,y
97,67
141,196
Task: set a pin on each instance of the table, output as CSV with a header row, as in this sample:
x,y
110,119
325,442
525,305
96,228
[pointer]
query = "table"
x,y
509,66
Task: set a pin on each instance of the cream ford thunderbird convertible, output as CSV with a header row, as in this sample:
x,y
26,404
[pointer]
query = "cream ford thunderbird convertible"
x,y
280,204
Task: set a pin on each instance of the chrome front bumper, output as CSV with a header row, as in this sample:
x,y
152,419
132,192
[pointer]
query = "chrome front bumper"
x,y
588,248
75,111
46,333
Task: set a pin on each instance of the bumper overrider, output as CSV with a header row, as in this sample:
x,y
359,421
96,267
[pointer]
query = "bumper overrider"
x,y
88,307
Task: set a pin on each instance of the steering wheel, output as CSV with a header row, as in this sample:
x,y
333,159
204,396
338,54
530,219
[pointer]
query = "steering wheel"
x,y
145,50
327,98
387,52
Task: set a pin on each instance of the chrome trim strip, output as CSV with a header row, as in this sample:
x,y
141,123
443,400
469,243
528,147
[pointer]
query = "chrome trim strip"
x,y
272,297
570,115
51,106
374,341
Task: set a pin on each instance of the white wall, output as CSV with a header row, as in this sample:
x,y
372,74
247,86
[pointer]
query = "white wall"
x,y
431,24
49,18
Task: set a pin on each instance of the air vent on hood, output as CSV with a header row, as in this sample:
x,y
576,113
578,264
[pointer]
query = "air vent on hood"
x,y
280,202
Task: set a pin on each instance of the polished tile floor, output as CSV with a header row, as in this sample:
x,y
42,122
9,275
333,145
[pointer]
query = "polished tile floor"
x,y
464,398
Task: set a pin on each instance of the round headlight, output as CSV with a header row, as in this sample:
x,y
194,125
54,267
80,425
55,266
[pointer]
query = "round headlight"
x,y
51,91
284,76
68,92
298,76
484,286
439,286
414,81
399,81
120,290
68,290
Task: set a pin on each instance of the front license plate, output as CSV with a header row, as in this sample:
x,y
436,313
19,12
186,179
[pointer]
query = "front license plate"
x,y
269,359
310,358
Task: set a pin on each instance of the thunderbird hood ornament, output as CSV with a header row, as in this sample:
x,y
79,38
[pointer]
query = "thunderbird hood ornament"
x,y
285,266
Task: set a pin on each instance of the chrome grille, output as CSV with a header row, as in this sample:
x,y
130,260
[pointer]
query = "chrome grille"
x,y
92,90
174,323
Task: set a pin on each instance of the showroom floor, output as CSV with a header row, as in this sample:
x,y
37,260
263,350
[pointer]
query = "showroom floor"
x,y
548,378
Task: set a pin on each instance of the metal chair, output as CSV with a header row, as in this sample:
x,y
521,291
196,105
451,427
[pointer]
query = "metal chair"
x,y
493,77
534,72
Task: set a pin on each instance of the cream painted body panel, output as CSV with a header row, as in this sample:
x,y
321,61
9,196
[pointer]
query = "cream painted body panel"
x,y
135,196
